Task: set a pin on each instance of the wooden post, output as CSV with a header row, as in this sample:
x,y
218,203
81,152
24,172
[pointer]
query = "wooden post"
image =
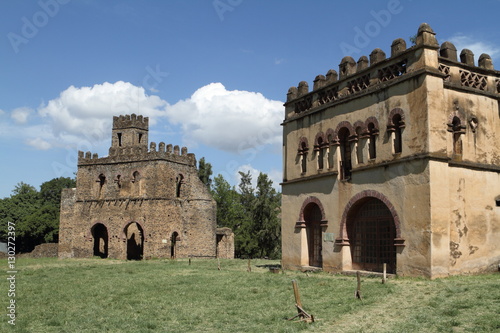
x,y
249,268
384,279
302,314
296,293
189,261
358,290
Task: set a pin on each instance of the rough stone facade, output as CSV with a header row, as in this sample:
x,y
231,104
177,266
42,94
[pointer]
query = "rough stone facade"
x,y
140,203
395,160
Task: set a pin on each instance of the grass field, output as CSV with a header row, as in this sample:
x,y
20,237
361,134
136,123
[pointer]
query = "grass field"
x,y
102,295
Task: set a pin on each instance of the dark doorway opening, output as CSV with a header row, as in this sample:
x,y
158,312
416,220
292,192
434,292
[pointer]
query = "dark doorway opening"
x,y
312,218
135,241
173,244
100,235
371,232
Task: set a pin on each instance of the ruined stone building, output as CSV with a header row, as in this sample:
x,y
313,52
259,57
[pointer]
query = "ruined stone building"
x,y
140,203
395,160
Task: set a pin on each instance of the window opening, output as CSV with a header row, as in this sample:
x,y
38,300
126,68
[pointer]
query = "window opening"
x,y
179,181
321,153
345,154
119,139
372,148
398,140
303,157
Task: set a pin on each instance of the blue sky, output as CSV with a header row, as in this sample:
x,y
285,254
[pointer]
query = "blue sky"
x,y
211,75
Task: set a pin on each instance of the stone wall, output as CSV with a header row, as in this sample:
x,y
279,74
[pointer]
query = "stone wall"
x,y
138,203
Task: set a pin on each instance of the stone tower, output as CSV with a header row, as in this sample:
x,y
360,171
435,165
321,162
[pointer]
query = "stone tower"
x,y
130,131
140,202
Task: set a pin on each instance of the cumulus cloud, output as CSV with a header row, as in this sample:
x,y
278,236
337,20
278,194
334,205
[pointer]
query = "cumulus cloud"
x,y
229,120
38,143
477,47
86,112
20,115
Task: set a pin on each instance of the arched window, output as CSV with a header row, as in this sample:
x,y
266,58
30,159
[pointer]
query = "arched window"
x,y
303,149
178,184
321,153
118,181
397,130
457,130
345,154
331,150
102,181
136,176
360,145
372,148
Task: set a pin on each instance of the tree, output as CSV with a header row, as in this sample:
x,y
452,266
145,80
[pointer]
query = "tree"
x,y
252,214
35,214
205,172
231,213
23,202
266,217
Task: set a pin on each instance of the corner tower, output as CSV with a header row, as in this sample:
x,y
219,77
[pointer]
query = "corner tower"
x,y
130,131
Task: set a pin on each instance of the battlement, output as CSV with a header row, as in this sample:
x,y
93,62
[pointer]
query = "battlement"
x,y
164,152
130,121
131,154
375,72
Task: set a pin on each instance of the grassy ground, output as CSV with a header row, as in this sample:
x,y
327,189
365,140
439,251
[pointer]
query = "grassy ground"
x,y
96,295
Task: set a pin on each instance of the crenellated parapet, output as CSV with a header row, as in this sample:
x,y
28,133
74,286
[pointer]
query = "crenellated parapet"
x,y
377,71
161,151
130,121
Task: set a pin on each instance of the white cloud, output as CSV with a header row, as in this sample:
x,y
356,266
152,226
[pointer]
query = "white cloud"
x,y
233,120
86,113
38,143
477,47
20,115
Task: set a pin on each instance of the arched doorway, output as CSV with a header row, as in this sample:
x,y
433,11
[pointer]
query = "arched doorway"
x,y
135,241
372,232
173,244
100,236
312,219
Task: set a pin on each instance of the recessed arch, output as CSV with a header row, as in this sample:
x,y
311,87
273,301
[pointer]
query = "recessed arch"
x,y
134,236
358,198
316,201
345,124
311,221
396,111
100,238
174,238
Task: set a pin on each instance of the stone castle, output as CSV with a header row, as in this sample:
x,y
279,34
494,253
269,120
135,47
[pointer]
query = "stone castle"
x,y
395,160
140,203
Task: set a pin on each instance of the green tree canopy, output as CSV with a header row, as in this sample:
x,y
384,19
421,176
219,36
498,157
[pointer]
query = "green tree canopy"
x,y
35,214
205,172
252,214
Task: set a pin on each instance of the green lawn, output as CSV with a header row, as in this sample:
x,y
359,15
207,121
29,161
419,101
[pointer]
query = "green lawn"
x,y
102,295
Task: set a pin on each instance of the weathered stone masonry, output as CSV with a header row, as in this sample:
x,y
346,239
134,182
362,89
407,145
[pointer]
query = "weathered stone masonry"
x,y
395,160
140,203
